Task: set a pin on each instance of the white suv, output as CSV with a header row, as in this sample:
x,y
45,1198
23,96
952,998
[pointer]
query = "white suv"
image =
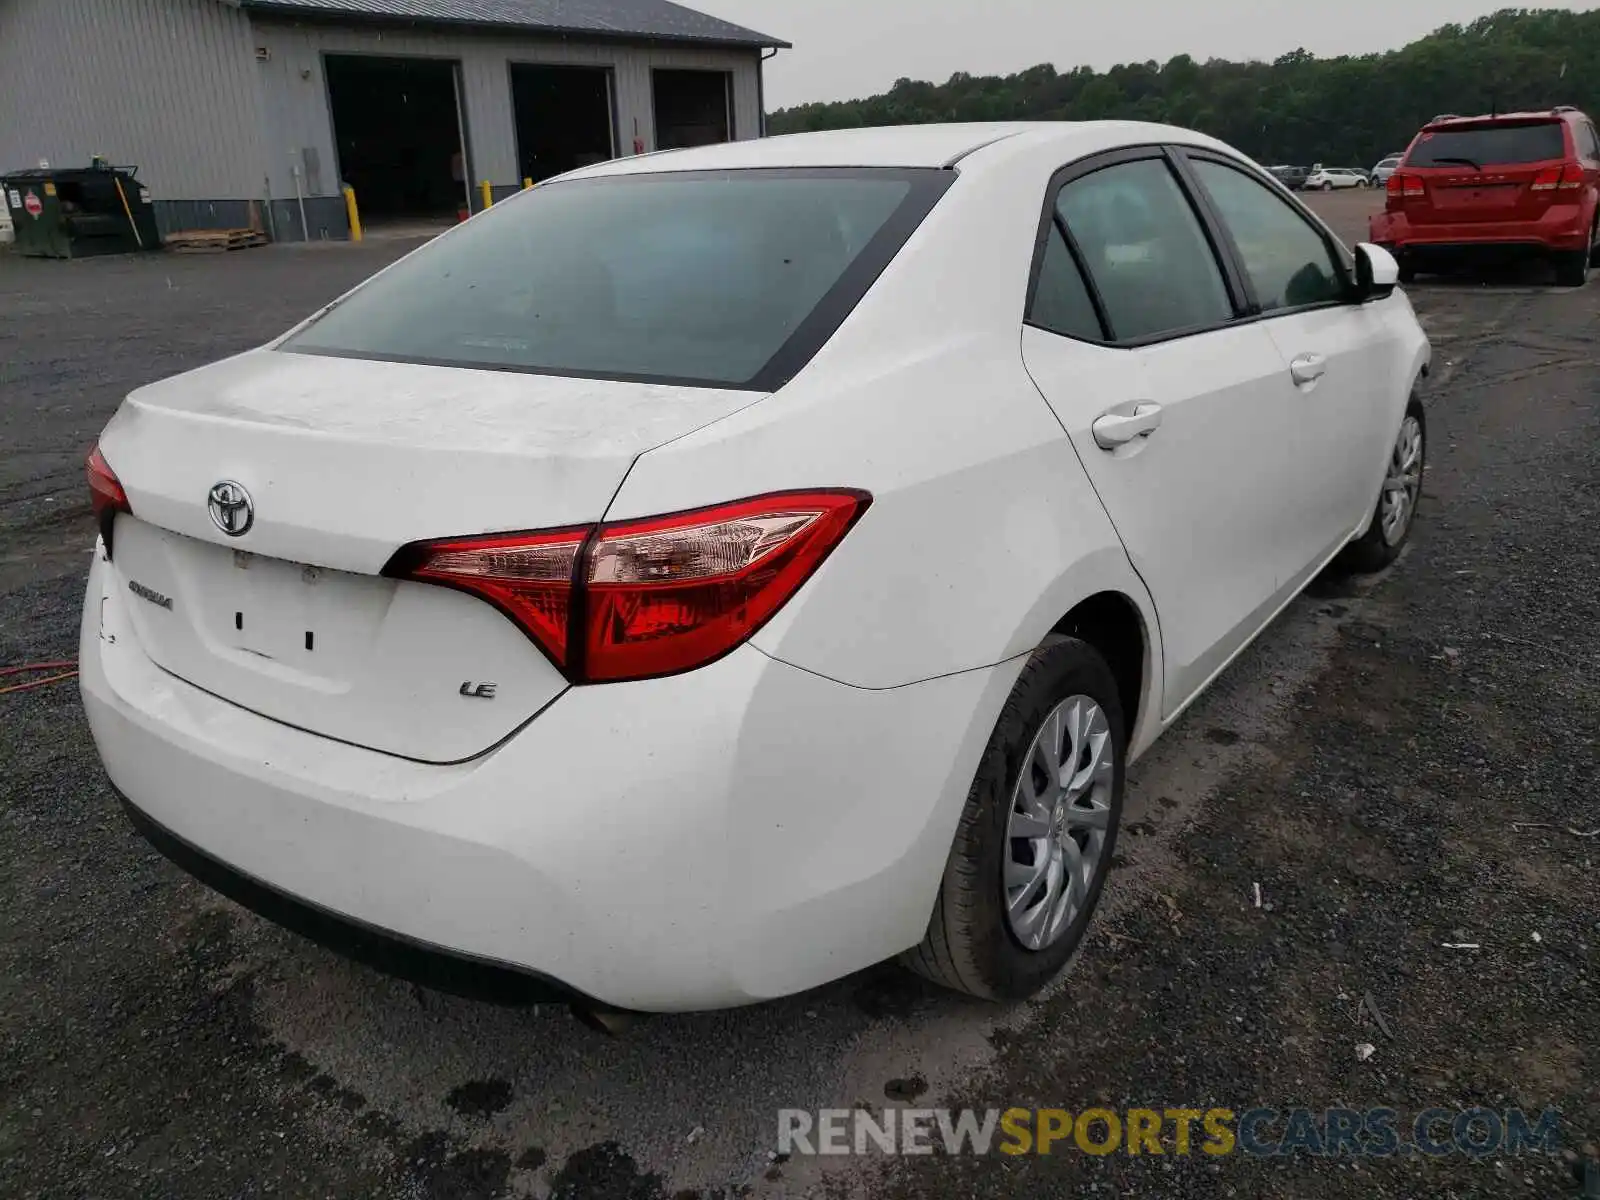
x,y
1327,179
708,574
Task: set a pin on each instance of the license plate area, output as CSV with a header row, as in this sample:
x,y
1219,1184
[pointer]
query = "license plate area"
x,y
302,618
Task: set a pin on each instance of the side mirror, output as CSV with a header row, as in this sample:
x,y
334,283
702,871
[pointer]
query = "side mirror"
x,y
1377,272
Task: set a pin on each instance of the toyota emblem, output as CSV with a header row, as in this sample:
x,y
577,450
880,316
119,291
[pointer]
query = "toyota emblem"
x,y
231,508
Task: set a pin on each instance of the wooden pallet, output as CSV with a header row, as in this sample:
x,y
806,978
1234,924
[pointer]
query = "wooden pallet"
x,y
214,241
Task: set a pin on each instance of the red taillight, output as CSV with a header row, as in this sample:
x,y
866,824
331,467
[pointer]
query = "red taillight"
x,y
527,576
1564,179
105,493
1406,185
649,597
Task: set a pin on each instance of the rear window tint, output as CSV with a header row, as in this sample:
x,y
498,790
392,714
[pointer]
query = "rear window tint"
x,y
713,278
1492,144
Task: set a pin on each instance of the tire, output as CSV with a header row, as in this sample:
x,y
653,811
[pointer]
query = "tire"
x,y
1327,186
1572,268
1376,549
1362,183
1408,271
1594,243
971,944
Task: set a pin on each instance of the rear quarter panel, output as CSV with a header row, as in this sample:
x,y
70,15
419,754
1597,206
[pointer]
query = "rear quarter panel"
x,y
983,530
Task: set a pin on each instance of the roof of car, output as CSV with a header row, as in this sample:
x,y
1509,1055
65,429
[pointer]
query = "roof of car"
x,y
941,145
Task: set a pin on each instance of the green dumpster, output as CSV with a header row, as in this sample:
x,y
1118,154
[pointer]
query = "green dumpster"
x,y
80,211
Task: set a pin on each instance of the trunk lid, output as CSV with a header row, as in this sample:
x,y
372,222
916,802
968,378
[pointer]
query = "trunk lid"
x,y
346,460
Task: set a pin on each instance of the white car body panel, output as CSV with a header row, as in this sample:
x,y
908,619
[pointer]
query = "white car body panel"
x,y
782,816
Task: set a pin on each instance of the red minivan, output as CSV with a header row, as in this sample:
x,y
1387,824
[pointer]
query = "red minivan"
x,y
1478,187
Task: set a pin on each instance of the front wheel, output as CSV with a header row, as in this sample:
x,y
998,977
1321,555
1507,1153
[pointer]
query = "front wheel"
x,y
1037,834
1396,511
1327,186
1361,183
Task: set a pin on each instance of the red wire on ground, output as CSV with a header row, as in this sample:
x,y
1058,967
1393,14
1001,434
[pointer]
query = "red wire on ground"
x,y
37,683
39,666
28,668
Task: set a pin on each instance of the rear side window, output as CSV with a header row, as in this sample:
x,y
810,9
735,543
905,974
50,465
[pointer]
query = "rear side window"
x,y
1145,249
1499,145
1588,142
1061,300
713,278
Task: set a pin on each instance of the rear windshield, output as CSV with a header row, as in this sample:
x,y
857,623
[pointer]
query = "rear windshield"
x,y
1489,144
712,278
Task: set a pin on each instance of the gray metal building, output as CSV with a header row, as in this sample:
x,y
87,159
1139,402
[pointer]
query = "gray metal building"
x,y
233,109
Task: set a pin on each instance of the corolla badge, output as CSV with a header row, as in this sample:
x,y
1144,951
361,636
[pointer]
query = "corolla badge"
x,y
232,510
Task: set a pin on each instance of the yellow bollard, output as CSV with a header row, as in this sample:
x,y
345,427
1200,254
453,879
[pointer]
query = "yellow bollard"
x,y
353,212
488,194
526,184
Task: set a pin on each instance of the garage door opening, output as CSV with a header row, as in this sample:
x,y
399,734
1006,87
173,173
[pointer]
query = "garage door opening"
x,y
693,108
398,131
564,118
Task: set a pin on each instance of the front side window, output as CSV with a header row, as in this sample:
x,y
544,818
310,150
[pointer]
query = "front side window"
x,y
691,277
1286,258
1145,249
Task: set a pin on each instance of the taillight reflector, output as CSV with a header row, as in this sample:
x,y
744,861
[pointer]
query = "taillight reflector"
x,y
105,493
1565,178
640,599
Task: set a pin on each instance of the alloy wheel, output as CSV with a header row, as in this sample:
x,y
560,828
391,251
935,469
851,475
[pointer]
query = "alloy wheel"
x,y
1404,482
1056,829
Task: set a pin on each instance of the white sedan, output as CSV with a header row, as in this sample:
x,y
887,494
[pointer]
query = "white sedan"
x,y
709,574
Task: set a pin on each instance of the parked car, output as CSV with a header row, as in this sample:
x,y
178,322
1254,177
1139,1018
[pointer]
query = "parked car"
x,y
1385,168
1327,179
1293,178
1497,186
588,604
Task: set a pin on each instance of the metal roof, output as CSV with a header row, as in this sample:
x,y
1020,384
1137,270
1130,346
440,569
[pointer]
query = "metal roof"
x,y
653,19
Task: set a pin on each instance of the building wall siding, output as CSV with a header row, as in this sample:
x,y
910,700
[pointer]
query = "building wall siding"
x,y
295,90
167,85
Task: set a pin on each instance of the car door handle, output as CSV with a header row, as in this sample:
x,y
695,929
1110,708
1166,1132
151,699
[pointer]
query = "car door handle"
x,y
1115,428
1308,368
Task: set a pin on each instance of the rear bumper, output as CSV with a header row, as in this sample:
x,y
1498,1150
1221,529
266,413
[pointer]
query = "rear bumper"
x,y
1561,228
721,837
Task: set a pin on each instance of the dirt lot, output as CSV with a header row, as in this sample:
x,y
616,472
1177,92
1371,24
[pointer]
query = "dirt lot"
x,y
1398,765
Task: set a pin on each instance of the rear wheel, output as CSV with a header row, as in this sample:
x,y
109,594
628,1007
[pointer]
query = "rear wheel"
x,y
1572,267
1037,833
1396,510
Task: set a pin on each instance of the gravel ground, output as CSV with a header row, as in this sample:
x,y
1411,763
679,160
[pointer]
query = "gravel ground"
x,y
1368,763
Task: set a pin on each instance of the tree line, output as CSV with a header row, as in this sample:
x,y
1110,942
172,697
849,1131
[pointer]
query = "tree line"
x,y
1348,111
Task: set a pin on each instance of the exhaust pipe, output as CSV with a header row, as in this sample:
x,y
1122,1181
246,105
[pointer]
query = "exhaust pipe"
x,y
609,1021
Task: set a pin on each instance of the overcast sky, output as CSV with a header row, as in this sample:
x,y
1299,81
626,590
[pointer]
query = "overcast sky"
x,y
849,48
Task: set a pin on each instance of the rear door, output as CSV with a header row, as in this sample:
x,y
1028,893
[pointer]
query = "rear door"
x,y
1333,352
1483,172
1175,409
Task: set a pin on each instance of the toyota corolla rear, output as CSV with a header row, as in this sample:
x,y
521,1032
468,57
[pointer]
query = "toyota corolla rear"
x,y
407,632
1505,184
367,646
